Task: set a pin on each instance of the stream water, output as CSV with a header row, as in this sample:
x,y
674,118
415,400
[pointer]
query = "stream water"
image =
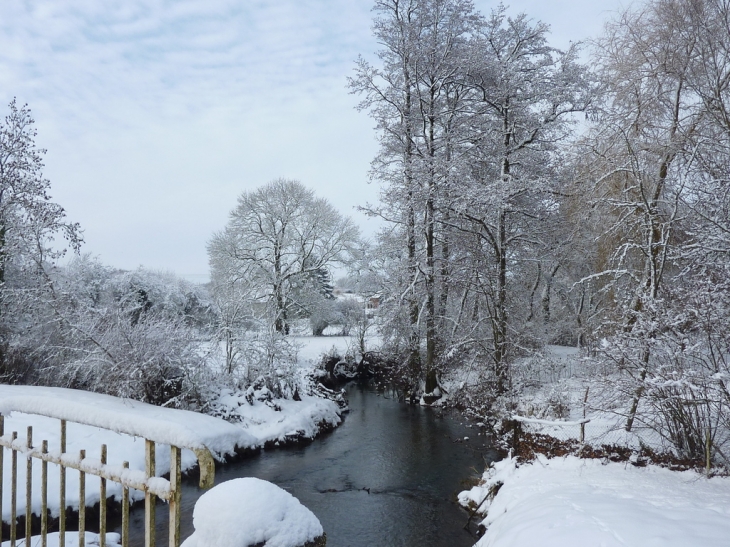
x,y
412,460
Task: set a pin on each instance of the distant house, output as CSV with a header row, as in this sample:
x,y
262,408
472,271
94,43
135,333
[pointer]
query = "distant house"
x,y
373,303
368,302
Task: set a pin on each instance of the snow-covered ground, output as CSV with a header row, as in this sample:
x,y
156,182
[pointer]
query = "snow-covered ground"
x,y
283,420
566,501
312,348
570,501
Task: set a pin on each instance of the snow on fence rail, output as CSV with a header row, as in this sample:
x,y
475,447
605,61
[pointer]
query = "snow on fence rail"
x,y
556,425
176,428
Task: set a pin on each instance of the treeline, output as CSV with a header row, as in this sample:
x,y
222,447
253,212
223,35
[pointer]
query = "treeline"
x,y
533,199
148,335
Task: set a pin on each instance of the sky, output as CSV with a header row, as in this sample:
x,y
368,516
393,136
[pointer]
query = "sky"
x,y
157,114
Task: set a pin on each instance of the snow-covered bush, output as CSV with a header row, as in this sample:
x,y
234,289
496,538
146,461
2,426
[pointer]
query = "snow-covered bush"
x,y
122,333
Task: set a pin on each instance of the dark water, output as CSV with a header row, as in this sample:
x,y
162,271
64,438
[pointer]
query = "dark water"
x,y
408,457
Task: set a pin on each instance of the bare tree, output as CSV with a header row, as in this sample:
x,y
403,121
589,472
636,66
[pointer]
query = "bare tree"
x,y
642,157
525,96
415,100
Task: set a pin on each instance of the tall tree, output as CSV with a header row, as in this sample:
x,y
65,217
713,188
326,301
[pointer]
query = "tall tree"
x,y
526,95
30,224
389,95
642,156
414,100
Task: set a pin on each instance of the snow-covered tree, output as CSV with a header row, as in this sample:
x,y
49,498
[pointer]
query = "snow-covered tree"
x,y
124,333
470,111
32,230
526,96
278,241
641,159
415,100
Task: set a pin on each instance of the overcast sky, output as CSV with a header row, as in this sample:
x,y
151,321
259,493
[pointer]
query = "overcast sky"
x,y
157,114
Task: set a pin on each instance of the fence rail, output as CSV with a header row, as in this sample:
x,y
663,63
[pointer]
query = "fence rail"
x,y
556,424
145,481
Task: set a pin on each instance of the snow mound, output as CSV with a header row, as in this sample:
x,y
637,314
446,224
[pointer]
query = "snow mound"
x,y
250,511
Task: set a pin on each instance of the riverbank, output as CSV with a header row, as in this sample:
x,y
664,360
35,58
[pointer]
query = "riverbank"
x,y
240,423
573,475
570,501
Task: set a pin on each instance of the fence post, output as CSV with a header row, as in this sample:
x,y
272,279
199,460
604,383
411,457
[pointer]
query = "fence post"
x,y
2,452
28,486
175,476
149,497
125,512
44,496
516,432
102,502
62,493
14,492
82,502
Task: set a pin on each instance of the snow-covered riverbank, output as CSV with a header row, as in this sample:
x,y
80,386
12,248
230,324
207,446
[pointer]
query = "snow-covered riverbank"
x,y
535,500
570,501
253,422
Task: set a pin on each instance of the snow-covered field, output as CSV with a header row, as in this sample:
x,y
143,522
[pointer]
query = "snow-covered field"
x,y
570,501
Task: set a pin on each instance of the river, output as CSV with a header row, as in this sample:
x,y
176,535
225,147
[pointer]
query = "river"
x,y
388,476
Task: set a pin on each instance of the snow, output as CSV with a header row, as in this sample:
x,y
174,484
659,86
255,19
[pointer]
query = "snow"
x,y
293,419
312,348
571,501
120,448
122,424
165,425
250,511
72,539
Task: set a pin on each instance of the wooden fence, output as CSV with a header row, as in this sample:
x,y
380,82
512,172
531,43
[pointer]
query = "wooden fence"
x,y
153,487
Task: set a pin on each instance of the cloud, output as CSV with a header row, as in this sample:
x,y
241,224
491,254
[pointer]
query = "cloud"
x,y
157,113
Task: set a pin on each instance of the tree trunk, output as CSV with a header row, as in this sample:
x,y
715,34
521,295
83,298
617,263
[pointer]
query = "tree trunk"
x,y
430,248
500,312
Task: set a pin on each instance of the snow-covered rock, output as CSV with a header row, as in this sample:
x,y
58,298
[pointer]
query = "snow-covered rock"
x,y
249,511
